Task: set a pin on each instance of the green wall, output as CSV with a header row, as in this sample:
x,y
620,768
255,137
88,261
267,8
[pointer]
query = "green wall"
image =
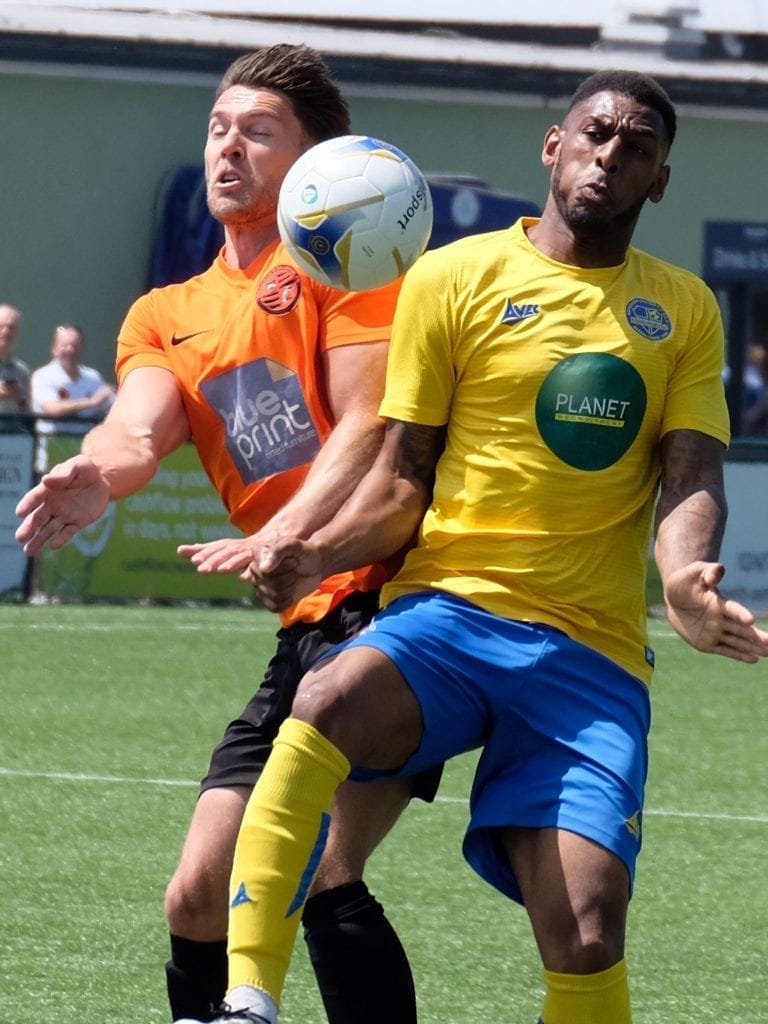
x,y
80,166
82,158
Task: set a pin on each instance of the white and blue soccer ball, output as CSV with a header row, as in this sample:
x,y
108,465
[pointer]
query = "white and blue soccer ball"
x,y
355,212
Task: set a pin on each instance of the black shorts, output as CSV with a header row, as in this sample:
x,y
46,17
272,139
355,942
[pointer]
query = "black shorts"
x,y
239,758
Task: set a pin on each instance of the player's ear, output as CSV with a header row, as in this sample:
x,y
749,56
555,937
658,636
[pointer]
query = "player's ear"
x,y
551,144
659,187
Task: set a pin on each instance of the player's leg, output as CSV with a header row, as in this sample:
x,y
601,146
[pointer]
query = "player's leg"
x,y
576,894
196,905
362,970
354,707
361,967
556,815
364,707
197,898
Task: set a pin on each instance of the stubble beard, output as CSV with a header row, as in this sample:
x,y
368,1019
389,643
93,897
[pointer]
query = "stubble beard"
x,y
590,223
239,212
586,223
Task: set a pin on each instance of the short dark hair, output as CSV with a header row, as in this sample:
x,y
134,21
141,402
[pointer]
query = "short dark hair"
x,y
300,74
643,88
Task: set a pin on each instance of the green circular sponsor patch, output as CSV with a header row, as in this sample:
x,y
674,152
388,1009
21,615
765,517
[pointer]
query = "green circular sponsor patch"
x,y
589,409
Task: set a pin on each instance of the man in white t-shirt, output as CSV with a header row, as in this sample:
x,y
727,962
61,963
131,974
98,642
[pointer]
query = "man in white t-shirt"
x,y
67,391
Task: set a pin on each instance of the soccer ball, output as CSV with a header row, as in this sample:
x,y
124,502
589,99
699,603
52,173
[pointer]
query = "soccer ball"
x,y
354,212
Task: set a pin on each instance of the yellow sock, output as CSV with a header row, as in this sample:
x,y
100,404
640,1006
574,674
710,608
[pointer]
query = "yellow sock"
x,y
278,850
601,998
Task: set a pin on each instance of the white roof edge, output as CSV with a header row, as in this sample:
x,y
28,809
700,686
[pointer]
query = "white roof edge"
x,y
707,15
242,34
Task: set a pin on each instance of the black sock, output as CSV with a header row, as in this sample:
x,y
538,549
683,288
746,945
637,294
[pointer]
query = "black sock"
x,y
360,965
196,976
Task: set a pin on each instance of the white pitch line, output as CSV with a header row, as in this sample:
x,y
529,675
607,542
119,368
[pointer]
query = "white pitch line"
x,y
760,819
656,632
86,777
94,627
658,629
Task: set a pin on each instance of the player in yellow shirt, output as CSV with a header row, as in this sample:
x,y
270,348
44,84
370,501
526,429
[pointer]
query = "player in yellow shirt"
x,y
277,380
545,384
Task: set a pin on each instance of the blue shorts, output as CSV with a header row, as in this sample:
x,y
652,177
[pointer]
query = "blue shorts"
x,y
564,728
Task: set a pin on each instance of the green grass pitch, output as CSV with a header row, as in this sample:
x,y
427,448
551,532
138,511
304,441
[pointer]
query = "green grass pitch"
x,y
108,715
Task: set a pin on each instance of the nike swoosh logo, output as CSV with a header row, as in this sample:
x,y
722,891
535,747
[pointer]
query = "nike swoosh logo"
x,y
186,337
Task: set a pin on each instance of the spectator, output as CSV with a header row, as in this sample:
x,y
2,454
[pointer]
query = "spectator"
x,y
755,416
73,394
66,389
14,374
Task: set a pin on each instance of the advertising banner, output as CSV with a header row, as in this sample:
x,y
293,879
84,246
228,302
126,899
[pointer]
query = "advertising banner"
x,y
744,552
131,551
16,457
735,252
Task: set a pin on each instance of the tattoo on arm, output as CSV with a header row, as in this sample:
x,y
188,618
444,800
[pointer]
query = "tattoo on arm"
x,y
692,485
420,447
692,462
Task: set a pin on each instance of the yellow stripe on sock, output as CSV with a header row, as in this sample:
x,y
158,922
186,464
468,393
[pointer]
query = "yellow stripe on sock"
x,y
278,850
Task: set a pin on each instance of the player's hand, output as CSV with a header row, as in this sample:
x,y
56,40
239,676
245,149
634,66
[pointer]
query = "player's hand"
x,y
707,620
228,554
71,496
285,570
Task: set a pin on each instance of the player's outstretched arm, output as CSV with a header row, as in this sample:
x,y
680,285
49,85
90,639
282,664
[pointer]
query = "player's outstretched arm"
x,y
120,455
378,520
71,496
690,520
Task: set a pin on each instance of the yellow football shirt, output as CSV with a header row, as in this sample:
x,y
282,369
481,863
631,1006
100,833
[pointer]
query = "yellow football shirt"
x,y
557,385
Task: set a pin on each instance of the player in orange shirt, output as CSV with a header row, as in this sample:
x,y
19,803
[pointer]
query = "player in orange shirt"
x,y
277,379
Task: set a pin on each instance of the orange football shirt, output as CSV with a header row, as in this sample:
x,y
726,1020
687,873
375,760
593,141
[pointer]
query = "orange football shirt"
x,y
245,347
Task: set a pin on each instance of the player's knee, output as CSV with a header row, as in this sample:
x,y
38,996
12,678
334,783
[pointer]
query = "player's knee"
x,y
196,905
586,943
320,701
178,904
586,957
